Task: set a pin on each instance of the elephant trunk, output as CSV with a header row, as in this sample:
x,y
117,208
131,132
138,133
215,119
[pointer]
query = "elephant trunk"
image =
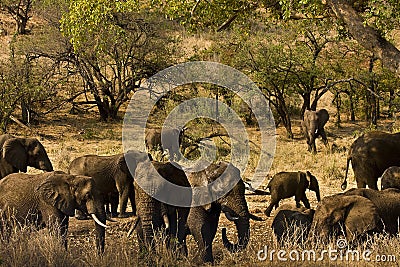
x,y
98,213
45,165
243,230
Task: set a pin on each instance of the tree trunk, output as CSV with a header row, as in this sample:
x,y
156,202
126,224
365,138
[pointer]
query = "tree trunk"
x,y
366,36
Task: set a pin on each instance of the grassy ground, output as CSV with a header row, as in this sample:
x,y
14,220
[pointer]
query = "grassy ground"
x,y
69,136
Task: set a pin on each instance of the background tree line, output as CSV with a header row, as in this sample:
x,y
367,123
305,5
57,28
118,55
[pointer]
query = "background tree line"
x,y
97,53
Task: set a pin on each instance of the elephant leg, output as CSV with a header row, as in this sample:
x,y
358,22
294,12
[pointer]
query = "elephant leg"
x,y
306,202
323,136
173,219
181,234
361,184
123,199
132,199
113,199
372,185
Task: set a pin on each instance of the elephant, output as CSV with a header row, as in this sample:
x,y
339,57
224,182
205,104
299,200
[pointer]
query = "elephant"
x,y
370,155
203,220
165,139
387,203
154,215
288,184
313,126
111,174
18,153
353,215
391,178
292,223
48,199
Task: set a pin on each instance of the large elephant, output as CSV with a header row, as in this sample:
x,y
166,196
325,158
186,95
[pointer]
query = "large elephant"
x,y
351,215
292,223
48,199
370,155
111,174
154,215
165,139
387,203
391,178
289,184
203,220
313,126
18,153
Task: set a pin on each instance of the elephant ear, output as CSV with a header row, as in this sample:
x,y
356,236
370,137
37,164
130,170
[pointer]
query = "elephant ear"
x,y
122,164
14,152
304,179
309,178
56,191
323,116
361,217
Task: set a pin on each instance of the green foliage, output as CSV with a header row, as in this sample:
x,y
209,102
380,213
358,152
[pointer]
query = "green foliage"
x,y
92,24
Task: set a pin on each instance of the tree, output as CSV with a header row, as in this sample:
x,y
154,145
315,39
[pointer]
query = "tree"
x,y
20,10
114,48
367,21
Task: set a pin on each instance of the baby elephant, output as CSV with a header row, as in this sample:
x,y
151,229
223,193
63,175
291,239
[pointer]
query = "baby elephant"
x,y
288,184
391,178
292,223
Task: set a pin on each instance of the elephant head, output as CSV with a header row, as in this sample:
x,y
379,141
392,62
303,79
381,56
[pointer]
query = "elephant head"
x,y
233,203
352,215
166,139
69,192
152,213
24,152
48,199
291,222
313,126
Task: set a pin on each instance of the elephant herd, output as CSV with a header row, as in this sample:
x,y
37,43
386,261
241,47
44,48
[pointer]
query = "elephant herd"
x,y
50,198
355,213
93,182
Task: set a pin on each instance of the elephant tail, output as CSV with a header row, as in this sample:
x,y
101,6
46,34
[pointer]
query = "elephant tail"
x,y
344,184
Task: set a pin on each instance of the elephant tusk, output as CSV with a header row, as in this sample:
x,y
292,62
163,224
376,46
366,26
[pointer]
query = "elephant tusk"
x,y
230,217
98,221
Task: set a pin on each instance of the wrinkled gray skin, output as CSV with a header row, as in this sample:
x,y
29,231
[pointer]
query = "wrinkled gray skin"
x,y
111,174
203,220
391,178
18,153
387,203
288,184
313,126
348,214
370,155
292,223
154,215
172,139
49,199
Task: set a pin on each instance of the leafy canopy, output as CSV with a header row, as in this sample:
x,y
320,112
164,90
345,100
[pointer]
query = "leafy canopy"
x,y
93,23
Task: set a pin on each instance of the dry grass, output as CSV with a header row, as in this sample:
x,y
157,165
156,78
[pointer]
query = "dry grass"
x,y
71,136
